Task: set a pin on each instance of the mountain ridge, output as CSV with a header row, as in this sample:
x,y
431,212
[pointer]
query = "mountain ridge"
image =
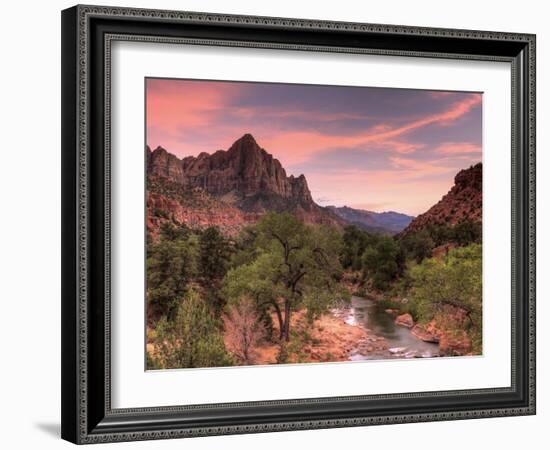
x,y
244,177
387,222
462,203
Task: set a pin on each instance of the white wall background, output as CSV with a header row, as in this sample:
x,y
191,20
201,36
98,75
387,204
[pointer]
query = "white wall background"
x,y
30,222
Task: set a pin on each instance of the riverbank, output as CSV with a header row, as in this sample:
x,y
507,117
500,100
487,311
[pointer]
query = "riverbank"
x,y
329,339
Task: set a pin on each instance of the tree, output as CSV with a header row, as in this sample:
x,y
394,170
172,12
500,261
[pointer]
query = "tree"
x,y
381,262
170,232
466,233
455,281
243,331
418,245
213,255
255,280
355,242
192,339
170,268
296,265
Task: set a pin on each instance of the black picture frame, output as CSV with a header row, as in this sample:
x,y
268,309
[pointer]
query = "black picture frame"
x,y
87,32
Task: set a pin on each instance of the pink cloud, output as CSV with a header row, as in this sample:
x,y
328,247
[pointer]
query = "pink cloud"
x,y
189,117
305,143
441,94
171,104
411,168
454,148
456,111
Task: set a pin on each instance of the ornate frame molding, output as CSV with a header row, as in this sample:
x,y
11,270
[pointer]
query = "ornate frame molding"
x,y
80,423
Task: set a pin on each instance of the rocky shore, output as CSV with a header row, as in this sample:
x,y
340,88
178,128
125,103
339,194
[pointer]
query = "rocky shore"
x,y
329,339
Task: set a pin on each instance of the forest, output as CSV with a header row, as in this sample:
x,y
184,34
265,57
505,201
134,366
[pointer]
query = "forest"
x,y
215,301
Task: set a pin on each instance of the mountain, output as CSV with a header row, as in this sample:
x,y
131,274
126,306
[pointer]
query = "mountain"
x,y
463,203
389,222
228,188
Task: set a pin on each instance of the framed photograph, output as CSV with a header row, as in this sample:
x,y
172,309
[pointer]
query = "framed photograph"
x,y
280,224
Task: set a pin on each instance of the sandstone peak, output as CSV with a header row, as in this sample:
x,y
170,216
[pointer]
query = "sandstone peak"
x,y
245,177
463,202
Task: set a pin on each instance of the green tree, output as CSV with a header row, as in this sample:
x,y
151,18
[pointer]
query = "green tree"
x,y
171,232
255,280
381,262
214,252
296,265
170,267
355,242
455,281
213,255
418,245
192,339
466,233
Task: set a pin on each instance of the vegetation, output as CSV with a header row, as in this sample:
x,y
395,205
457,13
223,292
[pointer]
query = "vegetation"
x,y
454,281
292,265
382,262
170,267
213,301
192,339
244,331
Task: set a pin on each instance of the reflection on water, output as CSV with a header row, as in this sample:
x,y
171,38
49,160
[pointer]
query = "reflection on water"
x,y
402,344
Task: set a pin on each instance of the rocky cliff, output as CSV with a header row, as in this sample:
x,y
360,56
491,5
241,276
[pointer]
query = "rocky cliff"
x,y
238,185
463,203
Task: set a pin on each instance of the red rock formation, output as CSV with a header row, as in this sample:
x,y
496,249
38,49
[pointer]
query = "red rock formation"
x,y
161,209
463,203
405,320
447,328
235,187
245,169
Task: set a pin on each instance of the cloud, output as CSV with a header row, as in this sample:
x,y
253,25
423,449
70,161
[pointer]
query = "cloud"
x,y
412,168
457,148
365,156
173,103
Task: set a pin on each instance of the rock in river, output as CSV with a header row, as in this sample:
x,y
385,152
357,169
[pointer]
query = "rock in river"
x,y
405,320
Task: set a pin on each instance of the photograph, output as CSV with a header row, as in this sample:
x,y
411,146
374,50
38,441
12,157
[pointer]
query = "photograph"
x,y
302,223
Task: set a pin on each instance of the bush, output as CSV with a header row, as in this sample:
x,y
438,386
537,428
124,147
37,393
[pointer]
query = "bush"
x,y
193,339
455,281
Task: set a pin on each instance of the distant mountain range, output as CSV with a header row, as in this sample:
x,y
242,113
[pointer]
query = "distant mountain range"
x,y
389,222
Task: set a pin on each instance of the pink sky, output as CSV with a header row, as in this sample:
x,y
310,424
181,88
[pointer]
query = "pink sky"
x,y
370,148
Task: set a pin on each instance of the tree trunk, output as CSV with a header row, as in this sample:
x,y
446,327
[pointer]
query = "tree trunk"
x,y
287,321
280,319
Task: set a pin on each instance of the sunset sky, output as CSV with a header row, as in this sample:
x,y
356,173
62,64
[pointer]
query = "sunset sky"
x,y
370,148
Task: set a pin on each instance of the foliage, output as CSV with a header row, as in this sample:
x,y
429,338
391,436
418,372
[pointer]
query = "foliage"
x,y
255,281
455,281
294,265
192,339
381,262
463,234
467,232
171,232
418,245
170,267
243,331
213,255
355,242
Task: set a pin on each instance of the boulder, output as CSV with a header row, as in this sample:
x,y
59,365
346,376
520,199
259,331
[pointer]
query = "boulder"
x,y
421,333
405,320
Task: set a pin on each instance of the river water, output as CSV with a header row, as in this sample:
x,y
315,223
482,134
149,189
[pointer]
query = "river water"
x,y
402,343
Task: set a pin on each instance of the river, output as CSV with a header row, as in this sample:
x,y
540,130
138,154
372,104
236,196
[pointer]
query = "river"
x,y
402,343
